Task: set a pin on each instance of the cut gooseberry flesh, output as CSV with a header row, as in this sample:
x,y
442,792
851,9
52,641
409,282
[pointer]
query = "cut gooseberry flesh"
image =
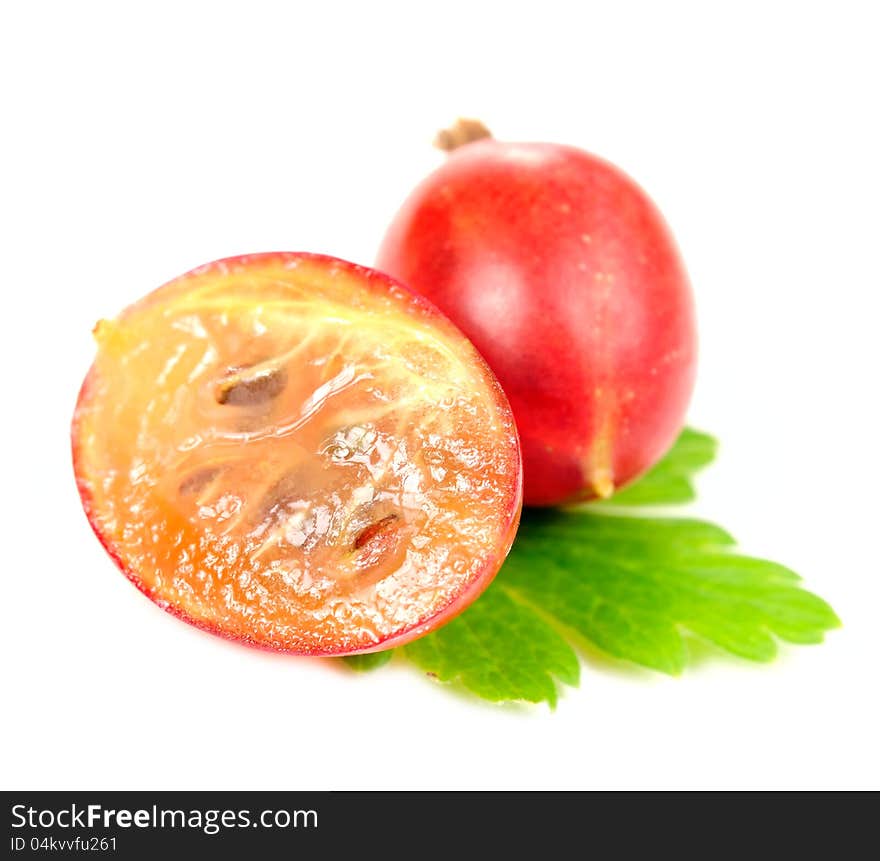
x,y
298,453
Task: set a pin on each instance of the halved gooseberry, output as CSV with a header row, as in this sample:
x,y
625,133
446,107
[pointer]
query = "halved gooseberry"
x,y
297,452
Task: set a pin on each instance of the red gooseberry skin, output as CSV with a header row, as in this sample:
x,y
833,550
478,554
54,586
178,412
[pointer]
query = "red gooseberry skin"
x,y
566,278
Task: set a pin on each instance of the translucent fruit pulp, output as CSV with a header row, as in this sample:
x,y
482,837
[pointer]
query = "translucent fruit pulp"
x,y
296,452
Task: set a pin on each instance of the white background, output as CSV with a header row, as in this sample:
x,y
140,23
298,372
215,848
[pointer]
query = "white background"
x,y
140,141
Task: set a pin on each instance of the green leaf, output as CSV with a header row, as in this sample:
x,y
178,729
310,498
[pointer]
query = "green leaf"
x,y
371,661
670,482
635,585
466,650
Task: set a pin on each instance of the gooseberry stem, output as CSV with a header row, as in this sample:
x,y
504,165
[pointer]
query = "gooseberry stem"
x,y
463,131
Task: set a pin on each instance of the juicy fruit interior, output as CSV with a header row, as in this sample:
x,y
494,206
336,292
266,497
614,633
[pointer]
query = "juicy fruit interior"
x,y
287,456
